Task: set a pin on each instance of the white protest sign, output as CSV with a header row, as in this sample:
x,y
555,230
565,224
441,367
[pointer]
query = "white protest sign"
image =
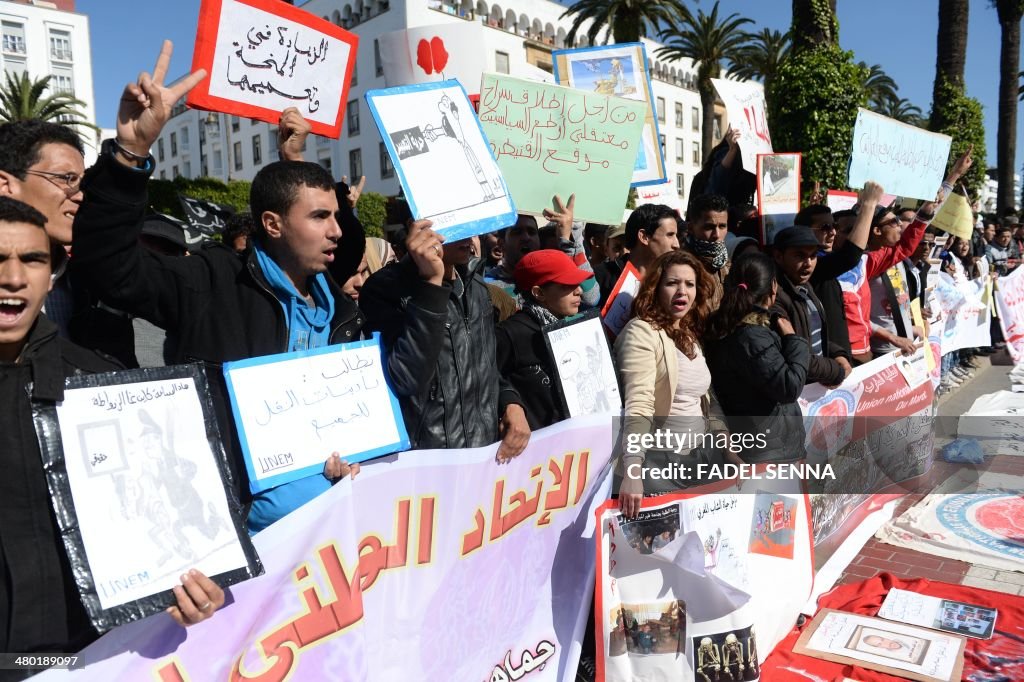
x,y
293,410
149,497
429,54
744,103
663,193
263,56
906,160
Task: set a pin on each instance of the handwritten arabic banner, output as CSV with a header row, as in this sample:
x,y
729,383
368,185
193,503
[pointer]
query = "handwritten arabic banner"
x,y
691,587
552,140
294,409
263,56
745,106
619,70
904,159
439,565
1010,304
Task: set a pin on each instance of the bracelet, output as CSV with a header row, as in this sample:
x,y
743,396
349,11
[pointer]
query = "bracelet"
x,y
131,155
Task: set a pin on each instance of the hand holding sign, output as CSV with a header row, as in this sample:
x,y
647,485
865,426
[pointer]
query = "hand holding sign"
x,y
292,131
197,598
146,105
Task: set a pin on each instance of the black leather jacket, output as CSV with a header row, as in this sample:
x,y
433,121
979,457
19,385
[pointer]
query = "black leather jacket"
x,y
441,355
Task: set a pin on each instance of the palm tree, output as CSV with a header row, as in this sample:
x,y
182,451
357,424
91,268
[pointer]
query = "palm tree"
x,y
877,85
23,99
707,41
812,26
902,110
626,20
951,55
759,59
1010,13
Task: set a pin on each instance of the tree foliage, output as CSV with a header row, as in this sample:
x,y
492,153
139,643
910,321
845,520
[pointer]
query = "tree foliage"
x,y
902,110
878,86
966,125
812,109
760,57
372,209
24,99
163,194
625,20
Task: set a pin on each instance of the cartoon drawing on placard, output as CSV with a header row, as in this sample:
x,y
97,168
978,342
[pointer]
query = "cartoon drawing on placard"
x,y
584,367
608,76
773,527
451,126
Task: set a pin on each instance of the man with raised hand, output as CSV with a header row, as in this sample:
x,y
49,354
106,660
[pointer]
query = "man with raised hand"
x,y
219,307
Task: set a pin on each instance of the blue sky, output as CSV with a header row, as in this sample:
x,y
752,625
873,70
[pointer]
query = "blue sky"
x,y
900,35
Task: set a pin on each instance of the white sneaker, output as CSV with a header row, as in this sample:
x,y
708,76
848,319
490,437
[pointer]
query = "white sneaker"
x,y
961,373
954,380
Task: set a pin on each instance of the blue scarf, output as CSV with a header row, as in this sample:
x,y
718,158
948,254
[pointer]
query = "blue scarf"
x,y
308,326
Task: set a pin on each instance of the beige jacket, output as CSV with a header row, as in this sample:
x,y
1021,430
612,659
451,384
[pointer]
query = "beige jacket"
x,y
649,369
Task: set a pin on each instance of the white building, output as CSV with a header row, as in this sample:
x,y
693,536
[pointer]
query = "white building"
x,y
49,38
515,37
990,192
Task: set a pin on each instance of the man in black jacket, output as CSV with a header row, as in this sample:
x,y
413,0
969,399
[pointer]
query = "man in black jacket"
x,y
796,255
217,305
651,230
437,325
40,608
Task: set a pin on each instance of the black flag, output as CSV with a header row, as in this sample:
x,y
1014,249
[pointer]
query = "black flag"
x,y
206,216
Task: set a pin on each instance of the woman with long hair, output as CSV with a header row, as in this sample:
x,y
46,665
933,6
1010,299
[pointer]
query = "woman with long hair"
x,y
663,372
758,372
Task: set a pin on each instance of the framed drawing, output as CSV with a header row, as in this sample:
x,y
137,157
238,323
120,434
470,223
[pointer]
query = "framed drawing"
x,y
138,475
583,363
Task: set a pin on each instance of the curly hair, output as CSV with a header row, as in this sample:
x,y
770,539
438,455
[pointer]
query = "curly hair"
x,y
646,307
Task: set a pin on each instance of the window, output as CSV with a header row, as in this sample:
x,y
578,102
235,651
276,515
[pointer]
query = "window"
x,y
501,62
188,169
272,145
717,128
14,38
695,118
696,153
14,66
60,46
352,114
236,123
218,162
377,64
61,81
387,170
257,151
174,172
661,109
236,149
163,175
355,163
326,163
174,144
680,153
679,115
160,149
184,139
355,74
680,184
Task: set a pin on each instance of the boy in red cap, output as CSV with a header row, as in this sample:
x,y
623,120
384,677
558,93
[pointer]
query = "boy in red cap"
x,y
549,283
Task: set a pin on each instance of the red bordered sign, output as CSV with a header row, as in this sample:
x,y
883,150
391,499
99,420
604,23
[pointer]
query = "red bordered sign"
x,y
263,56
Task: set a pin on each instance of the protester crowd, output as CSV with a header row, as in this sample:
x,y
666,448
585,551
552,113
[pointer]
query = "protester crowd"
x,y
725,332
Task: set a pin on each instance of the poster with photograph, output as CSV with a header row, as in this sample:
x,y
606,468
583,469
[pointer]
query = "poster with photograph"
x,y
900,650
936,613
652,530
263,56
294,409
618,309
583,363
430,127
649,629
778,192
773,528
619,70
137,472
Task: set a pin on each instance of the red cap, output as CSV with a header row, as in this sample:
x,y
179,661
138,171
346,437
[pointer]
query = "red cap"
x,y
538,268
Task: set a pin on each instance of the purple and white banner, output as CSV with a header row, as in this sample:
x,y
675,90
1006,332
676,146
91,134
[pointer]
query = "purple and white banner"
x,y
439,564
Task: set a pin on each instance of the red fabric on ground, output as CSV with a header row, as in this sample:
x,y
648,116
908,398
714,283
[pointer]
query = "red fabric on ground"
x,y
1000,659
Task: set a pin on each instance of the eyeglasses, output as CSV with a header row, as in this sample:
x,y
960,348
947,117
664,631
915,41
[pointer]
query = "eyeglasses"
x,y
895,220
69,183
828,227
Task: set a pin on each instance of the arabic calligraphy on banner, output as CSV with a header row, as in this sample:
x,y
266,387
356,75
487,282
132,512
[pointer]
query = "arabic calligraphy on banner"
x,y
264,56
745,105
552,140
293,410
1009,296
379,565
904,159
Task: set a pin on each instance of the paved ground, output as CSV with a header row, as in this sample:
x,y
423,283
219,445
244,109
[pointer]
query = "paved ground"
x,y
877,557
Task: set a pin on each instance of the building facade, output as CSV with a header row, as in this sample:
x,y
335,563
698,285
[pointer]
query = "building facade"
x,y
518,39
49,38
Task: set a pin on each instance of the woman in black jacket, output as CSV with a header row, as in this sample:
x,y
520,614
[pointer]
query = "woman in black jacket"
x,y
758,373
549,283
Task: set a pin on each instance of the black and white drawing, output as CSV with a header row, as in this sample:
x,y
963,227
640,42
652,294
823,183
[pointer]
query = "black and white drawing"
x,y
584,366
